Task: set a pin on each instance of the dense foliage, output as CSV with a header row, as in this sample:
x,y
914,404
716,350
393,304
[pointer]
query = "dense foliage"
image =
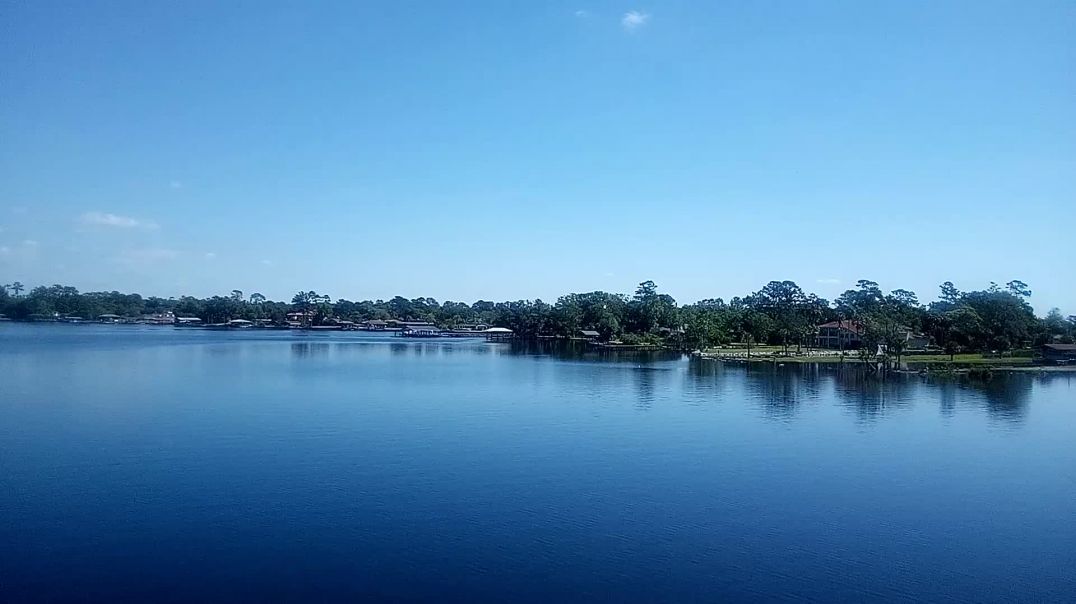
x,y
780,313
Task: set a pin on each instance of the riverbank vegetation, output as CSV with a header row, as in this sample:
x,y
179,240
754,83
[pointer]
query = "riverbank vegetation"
x,y
780,314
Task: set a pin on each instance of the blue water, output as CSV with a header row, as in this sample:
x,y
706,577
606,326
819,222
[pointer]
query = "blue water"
x,y
162,465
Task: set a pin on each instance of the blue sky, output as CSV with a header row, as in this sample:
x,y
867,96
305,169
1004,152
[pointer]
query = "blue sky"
x,y
503,150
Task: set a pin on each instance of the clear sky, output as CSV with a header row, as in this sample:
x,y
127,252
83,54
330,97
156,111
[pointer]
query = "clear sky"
x,y
508,150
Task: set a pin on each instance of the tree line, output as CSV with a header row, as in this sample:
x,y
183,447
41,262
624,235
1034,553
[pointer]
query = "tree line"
x,y
998,318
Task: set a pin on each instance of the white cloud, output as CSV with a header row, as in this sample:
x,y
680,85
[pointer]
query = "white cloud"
x,y
29,243
115,220
828,281
175,184
582,14
210,255
633,20
267,262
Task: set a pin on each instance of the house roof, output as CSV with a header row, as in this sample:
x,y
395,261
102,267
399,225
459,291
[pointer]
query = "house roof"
x,y
374,322
590,333
1061,347
849,325
498,330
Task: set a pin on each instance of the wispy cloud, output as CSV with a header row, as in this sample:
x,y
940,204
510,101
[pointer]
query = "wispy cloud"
x,y
29,243
5,249
828,281
210,255
175,184
267,262
633,20
582,14
105,219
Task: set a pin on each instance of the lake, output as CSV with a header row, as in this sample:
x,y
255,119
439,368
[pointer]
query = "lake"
x,y
161,464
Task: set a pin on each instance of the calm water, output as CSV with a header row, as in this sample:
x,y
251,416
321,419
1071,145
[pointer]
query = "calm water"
x,y
169,465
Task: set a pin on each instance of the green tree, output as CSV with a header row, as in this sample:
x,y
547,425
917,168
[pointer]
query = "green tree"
x,y
949,293
1018,288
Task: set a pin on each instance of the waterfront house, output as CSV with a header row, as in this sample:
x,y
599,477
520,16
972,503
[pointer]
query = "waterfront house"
x,y
164,318
471,327
425,330
590,334
400,324
374,325
916,341
110,318
839,335
188,321
498,334
1062,354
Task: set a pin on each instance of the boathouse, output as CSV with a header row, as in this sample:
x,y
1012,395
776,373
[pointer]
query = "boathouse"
x,y
1063,354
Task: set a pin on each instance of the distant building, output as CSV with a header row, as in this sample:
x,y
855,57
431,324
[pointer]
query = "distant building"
x,y
471,327
1059,353
164,318
590,334
374,325
421,331
398,324
916,341
839,335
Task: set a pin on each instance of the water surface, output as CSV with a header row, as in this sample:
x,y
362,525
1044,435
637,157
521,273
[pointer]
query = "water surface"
x,y
177,465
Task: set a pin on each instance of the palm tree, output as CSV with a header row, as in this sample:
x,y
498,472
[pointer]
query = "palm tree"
x,y
16,288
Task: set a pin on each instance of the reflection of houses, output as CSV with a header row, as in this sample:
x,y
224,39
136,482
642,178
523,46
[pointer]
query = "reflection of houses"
x,y
1059,353
839,335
